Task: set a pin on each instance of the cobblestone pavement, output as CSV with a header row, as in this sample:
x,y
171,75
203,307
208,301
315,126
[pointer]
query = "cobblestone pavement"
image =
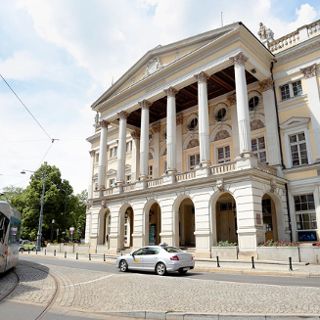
x,y
97,291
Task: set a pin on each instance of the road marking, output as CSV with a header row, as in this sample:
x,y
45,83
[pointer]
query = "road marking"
x,y
91,281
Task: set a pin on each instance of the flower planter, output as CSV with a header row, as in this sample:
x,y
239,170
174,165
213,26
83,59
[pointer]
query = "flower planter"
x,y
224,252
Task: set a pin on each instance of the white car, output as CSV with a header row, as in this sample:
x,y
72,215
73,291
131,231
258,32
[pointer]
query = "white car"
x,y
160,259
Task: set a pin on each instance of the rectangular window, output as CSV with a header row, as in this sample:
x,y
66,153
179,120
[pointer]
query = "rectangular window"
x,y
194,160
113,152
223,154
129,146
112,183
150,172
259,148
297,88
291,90
298,149
305,212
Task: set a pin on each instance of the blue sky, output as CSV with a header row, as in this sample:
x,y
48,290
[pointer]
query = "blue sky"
x,y
61,55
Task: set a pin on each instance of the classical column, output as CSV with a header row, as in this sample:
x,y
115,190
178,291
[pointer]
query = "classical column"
x,y
102,168
203,119
310,78
144,139
121,154
272,137
135,162
231,100
171,130
242,103
156,147
179,123
91,186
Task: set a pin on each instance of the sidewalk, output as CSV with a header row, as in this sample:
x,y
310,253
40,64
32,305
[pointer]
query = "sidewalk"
x,y
277,268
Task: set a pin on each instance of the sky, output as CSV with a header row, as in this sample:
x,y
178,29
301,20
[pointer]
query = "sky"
x,y
61,55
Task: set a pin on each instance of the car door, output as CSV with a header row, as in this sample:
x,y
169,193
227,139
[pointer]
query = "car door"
x,y
137,259
151,258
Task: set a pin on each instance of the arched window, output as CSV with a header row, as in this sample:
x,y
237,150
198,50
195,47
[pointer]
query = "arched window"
x,y
193,124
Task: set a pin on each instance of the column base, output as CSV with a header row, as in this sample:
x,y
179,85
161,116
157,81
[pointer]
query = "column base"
x,y
141,184
203,172
170,177
246,160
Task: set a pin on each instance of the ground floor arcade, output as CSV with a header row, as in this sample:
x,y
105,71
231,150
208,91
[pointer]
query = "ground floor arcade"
x,y
244,212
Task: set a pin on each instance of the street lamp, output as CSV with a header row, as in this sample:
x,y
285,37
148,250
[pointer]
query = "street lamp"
x,y
39,234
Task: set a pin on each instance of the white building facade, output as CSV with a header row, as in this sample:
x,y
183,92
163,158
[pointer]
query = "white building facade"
x,y
208,141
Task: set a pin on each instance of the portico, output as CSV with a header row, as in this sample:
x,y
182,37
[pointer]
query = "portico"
x,y
188,99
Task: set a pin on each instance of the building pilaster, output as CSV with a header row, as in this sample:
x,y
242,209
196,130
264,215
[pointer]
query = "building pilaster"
x,y
310,78
135,173
272,137
179,123
156,147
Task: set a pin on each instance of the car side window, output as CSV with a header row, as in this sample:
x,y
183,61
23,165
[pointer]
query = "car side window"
x,y
140,252
151,251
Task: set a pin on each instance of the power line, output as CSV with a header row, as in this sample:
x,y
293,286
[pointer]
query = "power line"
x,y
27,109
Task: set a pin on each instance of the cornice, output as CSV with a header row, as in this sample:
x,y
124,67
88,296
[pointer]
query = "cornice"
x,y
299,50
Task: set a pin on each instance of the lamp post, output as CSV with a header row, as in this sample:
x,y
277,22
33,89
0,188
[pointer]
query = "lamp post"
x,y
39,234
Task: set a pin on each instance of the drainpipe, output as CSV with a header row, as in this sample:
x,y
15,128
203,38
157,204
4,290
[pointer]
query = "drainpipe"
x,y
281,150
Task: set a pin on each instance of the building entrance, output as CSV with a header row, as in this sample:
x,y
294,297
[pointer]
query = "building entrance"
x,y
186,224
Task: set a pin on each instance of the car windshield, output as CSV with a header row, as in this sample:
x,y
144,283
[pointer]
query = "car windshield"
x,y
172,249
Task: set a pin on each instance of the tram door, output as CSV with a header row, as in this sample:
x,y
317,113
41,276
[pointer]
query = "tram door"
x,y
4,224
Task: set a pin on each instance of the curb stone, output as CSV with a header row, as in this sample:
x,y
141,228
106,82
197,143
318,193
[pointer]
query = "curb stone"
x,y
205,316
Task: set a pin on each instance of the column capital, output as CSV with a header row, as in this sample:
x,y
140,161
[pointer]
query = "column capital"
x,y
310,71
231,100
179,119
123,115
265,84
201,77
171,92
144,104
155,128
135,134
104,123
239,59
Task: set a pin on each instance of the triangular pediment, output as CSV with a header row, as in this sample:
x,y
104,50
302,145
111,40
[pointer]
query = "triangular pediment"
x,y
294,122
162,57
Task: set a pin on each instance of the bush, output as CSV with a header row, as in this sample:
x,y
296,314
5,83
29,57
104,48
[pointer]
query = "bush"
x,y
282,243
226,244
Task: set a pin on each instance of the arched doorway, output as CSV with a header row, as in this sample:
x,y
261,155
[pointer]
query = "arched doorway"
x,y
187,224
104,227
153,227
269,218
128,228
226,214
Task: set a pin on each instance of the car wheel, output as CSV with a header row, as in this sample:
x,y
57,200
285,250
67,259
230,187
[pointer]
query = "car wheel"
x,y
123,266
182,271
161,269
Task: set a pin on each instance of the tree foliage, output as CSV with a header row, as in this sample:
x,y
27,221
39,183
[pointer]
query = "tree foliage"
x,y
61,209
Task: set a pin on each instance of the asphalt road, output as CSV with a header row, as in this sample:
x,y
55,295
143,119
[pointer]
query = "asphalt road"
x,y
227,277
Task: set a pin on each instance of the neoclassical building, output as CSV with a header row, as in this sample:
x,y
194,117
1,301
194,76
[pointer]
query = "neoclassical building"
x,y
208,140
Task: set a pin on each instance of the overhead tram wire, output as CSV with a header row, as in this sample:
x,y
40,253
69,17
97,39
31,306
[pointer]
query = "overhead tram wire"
x,y
27,109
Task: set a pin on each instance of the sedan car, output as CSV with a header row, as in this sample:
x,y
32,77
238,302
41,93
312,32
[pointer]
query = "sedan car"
x,y
26,245
159,259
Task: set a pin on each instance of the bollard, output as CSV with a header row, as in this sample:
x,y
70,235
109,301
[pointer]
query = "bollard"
x,y
77,256
89,256
55,252
36,251
45,252
218,264
28,251
252,263
290,264
104,257
65,254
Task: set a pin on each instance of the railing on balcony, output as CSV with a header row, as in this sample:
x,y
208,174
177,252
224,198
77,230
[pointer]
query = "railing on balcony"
x,y
223,168
185,176
293,38
182,177
154,182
